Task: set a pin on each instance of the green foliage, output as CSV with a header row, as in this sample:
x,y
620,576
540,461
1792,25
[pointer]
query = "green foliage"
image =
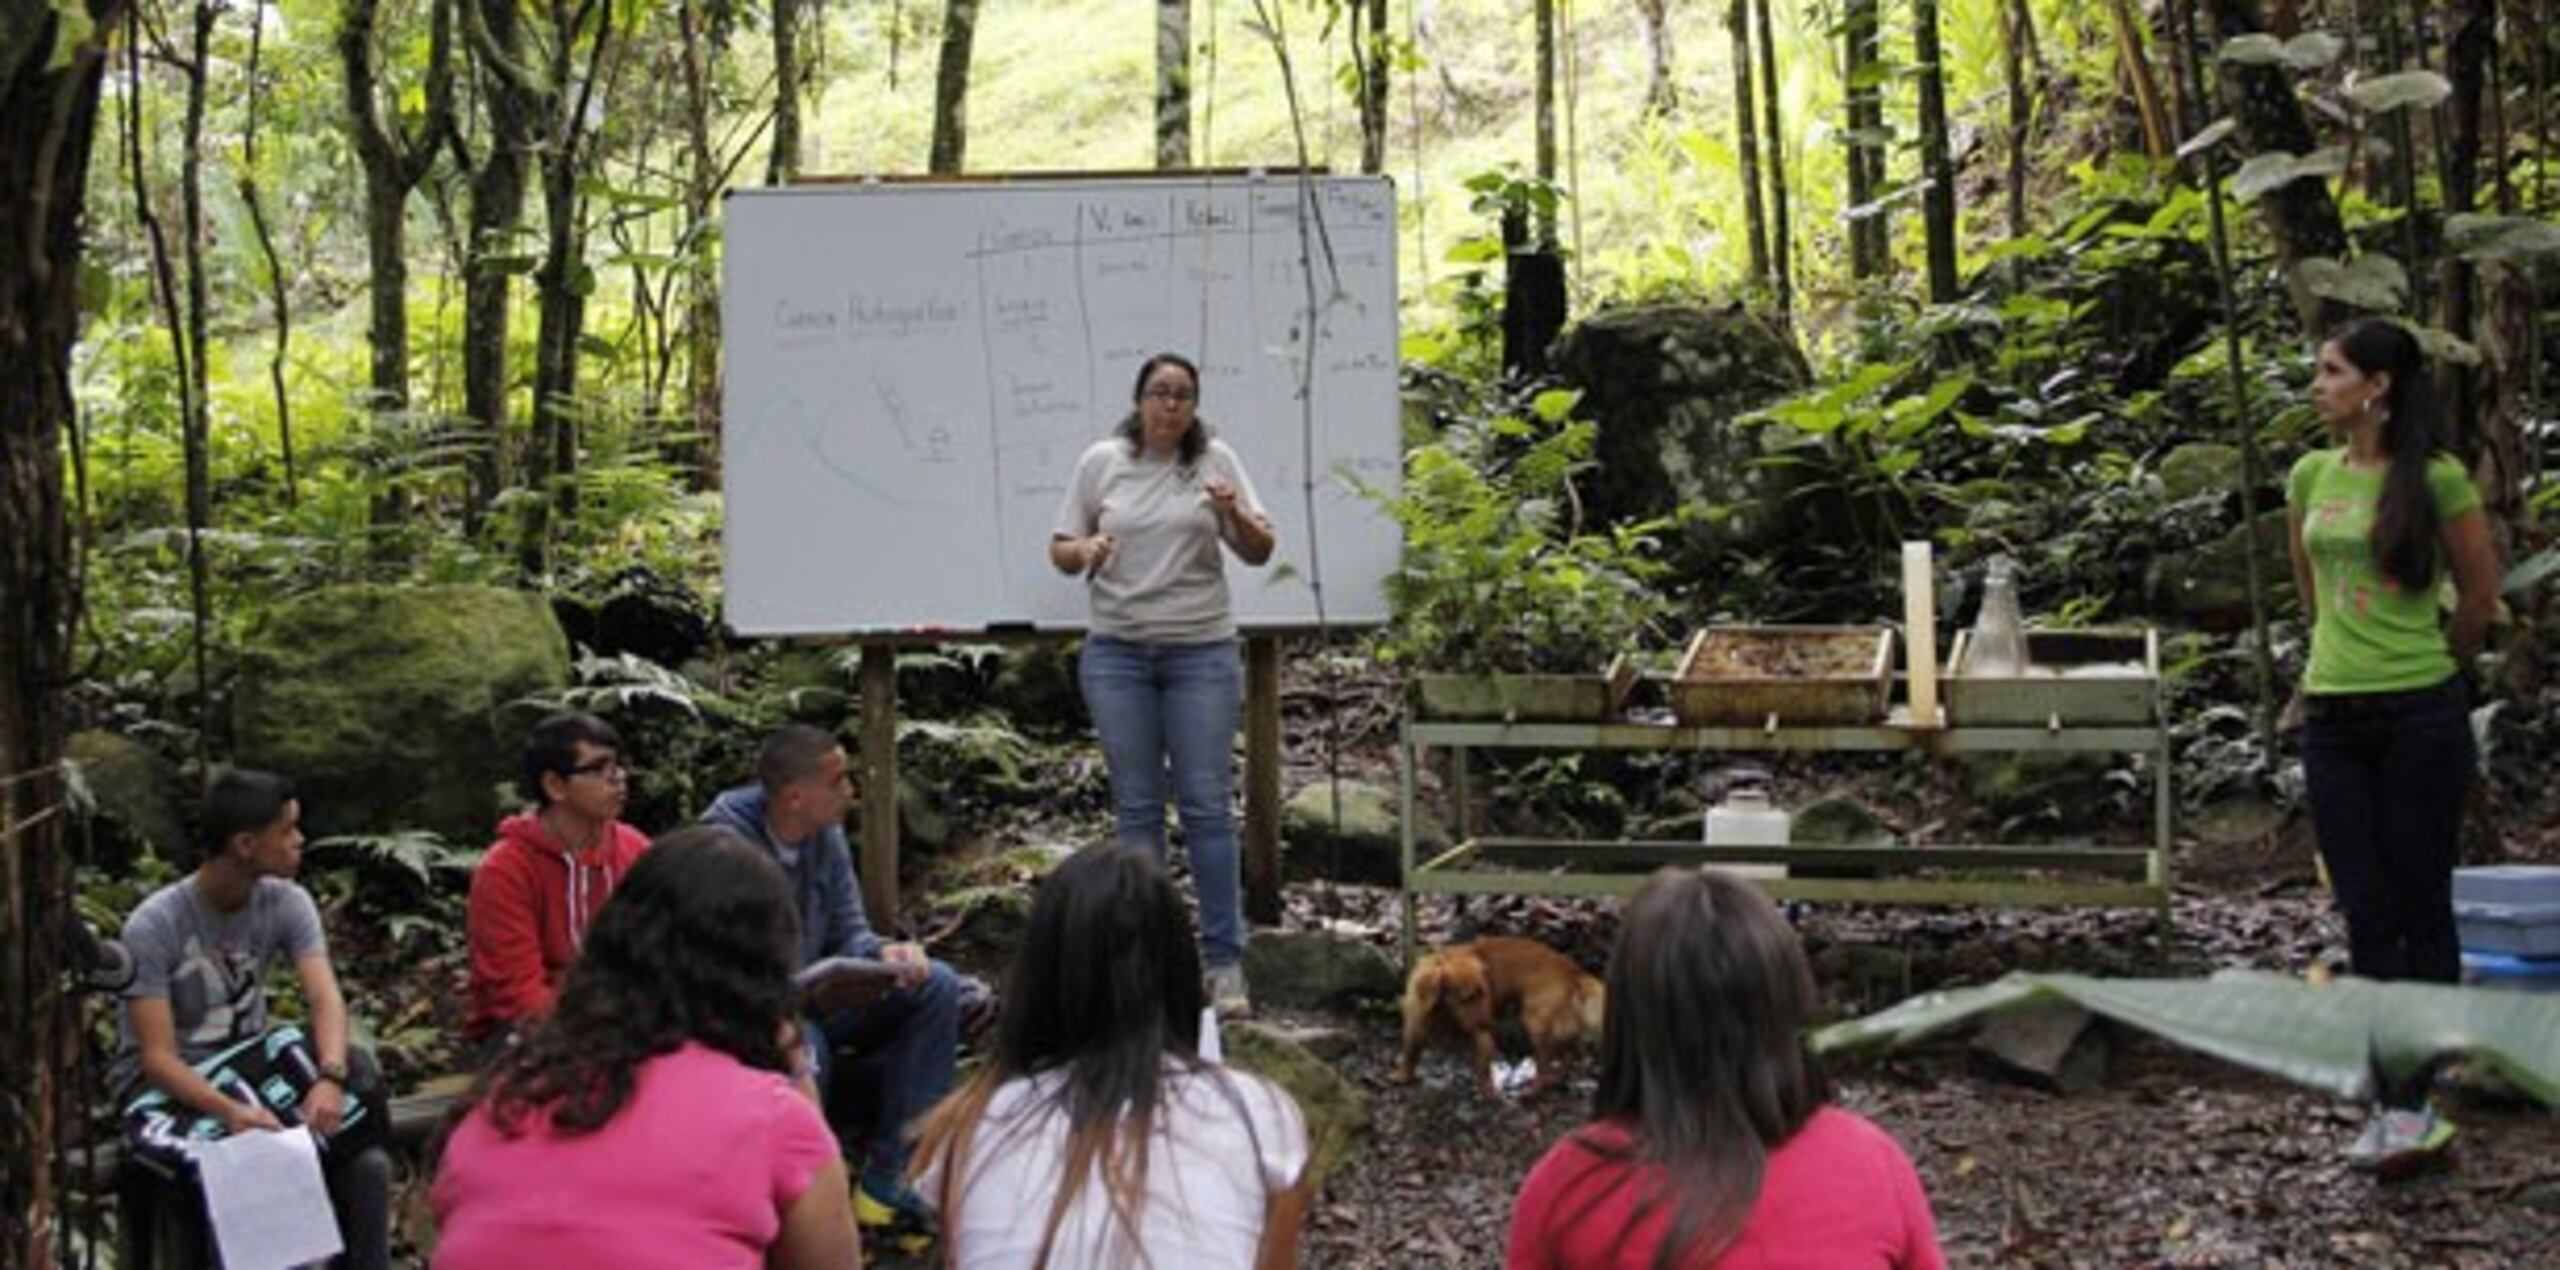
x,y
1499,572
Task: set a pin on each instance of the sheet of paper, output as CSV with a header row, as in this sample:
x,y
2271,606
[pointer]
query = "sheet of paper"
x,y
266,1199
1210,1049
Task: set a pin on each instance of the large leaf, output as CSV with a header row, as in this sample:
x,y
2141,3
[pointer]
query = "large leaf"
x,y
2313,50
2512,239
2383,94
2532,573
2211,136
2254,49
2372,282
2275,169
2330,1036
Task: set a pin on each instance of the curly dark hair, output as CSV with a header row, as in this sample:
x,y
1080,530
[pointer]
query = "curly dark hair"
x,y
697,945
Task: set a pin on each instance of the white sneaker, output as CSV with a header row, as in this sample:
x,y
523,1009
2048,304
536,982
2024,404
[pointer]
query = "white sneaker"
x,y
2397,1141
1227,993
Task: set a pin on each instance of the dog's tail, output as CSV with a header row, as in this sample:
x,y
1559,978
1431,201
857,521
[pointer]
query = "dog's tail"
x,y
1593,1002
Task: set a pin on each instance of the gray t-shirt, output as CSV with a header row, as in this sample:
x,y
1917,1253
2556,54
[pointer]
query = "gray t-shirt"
x,y
1166,581
210,966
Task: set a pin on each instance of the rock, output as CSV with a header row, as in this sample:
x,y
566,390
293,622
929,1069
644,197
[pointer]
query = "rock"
x,y
1314,970
1331,1044
2199,467
2242,821
1664,383
2053,1046
2209,587
397,707
641,612
1337,1115
922,824
136,797
2067,791
1036,687
1837,820
1366,848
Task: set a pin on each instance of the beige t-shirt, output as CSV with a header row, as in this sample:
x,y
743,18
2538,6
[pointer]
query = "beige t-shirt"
x,y
1166,581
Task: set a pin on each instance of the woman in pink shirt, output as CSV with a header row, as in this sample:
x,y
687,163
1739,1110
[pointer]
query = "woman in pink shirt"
x,y
1712,1143
656,1118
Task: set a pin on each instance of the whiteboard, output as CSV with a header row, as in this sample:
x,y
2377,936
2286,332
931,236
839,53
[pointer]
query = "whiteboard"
x,y
914,369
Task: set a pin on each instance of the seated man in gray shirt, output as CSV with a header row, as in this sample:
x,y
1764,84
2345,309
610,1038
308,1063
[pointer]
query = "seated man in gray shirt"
x,y
196,1058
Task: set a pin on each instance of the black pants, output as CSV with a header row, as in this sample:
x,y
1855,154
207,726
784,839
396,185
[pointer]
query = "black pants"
x,y
2388,775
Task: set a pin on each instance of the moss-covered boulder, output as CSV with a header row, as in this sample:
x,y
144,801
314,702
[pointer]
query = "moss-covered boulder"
x,y
1315,970
136,803
1337,1114
1365,845
398,707
2209,587
2199,467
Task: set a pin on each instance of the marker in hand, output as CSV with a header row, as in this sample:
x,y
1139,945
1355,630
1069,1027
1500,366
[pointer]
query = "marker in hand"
x,y
1098,549
1221,496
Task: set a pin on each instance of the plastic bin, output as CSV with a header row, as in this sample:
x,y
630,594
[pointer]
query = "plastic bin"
x,y
2516,974
2507,884
2518,930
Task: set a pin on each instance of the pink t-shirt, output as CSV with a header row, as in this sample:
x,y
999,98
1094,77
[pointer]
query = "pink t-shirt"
x,y
1839,1193
694,1172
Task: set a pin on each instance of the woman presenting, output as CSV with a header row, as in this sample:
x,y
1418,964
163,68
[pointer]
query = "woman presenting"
x,y
1147,520
2379,523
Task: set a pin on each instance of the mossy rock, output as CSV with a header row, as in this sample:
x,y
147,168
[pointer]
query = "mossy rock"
x,y
2199,467
1337,1114
1366,847
2209,587
137,799
398,707
1315,970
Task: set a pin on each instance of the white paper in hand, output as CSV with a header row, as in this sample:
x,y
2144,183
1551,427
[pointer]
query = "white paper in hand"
x,y
265,1197
1211,1051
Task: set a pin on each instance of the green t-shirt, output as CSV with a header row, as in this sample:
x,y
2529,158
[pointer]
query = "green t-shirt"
x,y
2371,636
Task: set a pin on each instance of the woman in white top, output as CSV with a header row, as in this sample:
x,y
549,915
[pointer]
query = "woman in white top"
x,y
1148,521
1094,1135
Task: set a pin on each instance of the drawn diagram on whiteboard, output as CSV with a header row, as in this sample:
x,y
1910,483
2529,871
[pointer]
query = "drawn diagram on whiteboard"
x,y
933,447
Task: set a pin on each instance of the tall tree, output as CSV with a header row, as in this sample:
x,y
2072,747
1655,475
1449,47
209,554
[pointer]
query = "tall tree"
x,y
703,36
2017,32
2135,65
1780,232
2471,48
279,296
1937,168
1372,57
498,180
1544,223
1173,83
784,165
1746,146
1870,236
1661,96
52,59
396,154
951,87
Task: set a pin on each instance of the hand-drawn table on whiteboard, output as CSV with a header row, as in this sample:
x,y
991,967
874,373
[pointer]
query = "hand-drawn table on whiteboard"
x,y
912,368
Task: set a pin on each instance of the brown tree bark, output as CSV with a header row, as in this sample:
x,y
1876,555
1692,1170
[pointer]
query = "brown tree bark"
x,y
1173,82
1374,56
2017,28
1544,223
1661,96
1781,230
1938,202
951,88
48,124
783,166
703,179
1870,230
497,213
395,158
1746,145
279,297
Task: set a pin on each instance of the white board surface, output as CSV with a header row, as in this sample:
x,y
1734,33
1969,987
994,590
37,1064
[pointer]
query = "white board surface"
x,y
912,371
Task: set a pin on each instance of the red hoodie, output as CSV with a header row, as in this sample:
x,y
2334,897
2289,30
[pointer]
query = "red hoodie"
x,y
531,903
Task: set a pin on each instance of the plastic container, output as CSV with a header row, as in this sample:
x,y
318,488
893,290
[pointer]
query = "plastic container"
x,y
1999,635
2516,974
2518,930
1746,818
2526,884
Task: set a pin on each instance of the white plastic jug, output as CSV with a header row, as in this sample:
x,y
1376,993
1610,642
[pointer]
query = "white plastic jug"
x,y
1746,818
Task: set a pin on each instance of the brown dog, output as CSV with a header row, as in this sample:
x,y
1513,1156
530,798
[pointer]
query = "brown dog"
x,y
1466,987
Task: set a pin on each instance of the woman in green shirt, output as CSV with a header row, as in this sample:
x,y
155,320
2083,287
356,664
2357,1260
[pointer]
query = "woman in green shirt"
x,y
2378,524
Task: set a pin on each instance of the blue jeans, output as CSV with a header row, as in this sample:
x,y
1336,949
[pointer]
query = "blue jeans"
x,y
915,1032
2387,774
1161,707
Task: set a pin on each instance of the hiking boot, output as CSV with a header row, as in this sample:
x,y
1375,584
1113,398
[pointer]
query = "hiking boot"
x,y
895,1216
2396,1142
1227,994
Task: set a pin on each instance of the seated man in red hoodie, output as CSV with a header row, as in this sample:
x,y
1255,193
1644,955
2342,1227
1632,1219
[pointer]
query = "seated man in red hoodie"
x,y
548,875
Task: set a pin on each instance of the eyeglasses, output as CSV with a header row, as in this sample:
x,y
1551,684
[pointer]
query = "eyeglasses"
x,y
1173,396
609,767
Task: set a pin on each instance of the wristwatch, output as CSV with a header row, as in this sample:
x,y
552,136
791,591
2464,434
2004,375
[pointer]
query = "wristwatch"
x,y
334,1073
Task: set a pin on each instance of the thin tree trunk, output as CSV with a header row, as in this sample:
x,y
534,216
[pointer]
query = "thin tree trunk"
x,y
1737,25
1376,60
277,295
1173,82
1781,232
2016,25
2400,162
497,210
2137,71
783,167
1545,221
48,124
1661,96
560,284
702,276
951,88
2470,46
394,161
1938,202
1870,237
196,421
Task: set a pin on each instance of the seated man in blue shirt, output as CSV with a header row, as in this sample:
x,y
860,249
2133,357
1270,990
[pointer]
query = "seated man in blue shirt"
x,y
796,809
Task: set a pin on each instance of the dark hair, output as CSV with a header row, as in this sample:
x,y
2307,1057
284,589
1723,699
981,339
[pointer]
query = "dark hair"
x,y
552,748
793,752
1104,991
697,945
2404,521
1701,1057
239,800
1195,440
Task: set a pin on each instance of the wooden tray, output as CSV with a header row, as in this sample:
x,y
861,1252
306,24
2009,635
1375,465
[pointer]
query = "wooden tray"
x,y
1794,675
1526,698
2066,681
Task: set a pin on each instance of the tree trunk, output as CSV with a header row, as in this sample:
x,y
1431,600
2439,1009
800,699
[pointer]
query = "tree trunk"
x,y
1781,232
1746,148
1544,225
2301,216
1870,236
394,162
279,298
1938,202
196,419
48,122
1661,97
568,87
2016,28
1173,82
951,88
1376,59
497,212
2470,46
2137,72
783,166
702,277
